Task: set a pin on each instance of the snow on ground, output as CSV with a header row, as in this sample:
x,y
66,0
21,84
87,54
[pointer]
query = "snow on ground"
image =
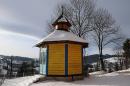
x,y
121,78
97,73
125,71
23,81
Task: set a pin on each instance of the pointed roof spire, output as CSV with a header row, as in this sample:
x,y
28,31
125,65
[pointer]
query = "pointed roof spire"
x,y
62,12
62,19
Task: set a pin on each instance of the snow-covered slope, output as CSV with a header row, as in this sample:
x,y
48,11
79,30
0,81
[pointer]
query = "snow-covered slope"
x,y
23,81
121,78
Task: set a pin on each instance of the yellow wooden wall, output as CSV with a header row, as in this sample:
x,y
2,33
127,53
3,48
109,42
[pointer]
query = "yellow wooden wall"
x,y
56,61
74,59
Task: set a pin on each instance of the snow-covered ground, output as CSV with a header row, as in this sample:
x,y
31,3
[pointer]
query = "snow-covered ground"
x,y
23,81
121,78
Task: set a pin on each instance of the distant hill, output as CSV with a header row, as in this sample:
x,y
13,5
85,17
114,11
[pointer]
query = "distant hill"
x,y
88,59
94,58
17,58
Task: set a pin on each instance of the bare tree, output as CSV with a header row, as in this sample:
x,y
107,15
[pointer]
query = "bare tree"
x,y
79,13
104,31
119,57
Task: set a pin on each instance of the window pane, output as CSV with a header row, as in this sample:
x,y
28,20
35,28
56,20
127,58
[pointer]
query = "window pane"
x,y
43,55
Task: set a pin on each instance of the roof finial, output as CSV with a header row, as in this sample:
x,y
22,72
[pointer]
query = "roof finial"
x,y
62,7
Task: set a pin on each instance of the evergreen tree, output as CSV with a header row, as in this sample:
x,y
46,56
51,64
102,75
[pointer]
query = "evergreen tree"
x,y
126,48
32,66
23,69
26,69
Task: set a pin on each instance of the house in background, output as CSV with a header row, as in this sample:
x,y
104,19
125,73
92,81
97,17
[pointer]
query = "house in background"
x,y
12,65
61,52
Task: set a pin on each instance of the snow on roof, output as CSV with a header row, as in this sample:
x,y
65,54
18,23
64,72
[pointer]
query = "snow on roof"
x,y
60,35
62,20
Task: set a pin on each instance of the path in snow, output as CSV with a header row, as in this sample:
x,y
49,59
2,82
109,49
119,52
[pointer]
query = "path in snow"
x,y
23,81
111,79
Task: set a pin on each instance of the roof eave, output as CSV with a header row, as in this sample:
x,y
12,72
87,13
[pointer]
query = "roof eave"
x,y
85,44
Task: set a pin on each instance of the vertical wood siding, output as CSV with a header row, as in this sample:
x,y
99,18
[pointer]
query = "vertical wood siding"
x,y
74,59
56,61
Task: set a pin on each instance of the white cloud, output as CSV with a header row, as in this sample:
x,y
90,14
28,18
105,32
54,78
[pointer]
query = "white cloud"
x,y
4,32
18,44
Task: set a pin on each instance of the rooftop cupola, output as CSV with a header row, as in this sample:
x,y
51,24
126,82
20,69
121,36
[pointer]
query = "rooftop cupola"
x,y
62,23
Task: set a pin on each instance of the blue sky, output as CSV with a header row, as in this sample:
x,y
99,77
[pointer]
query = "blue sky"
x,y
23,23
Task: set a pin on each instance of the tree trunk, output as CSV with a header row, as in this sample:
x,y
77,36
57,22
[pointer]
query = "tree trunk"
x,y
126,62
101,60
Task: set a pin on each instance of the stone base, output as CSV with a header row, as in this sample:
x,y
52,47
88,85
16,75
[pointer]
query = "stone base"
x,y
60,78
